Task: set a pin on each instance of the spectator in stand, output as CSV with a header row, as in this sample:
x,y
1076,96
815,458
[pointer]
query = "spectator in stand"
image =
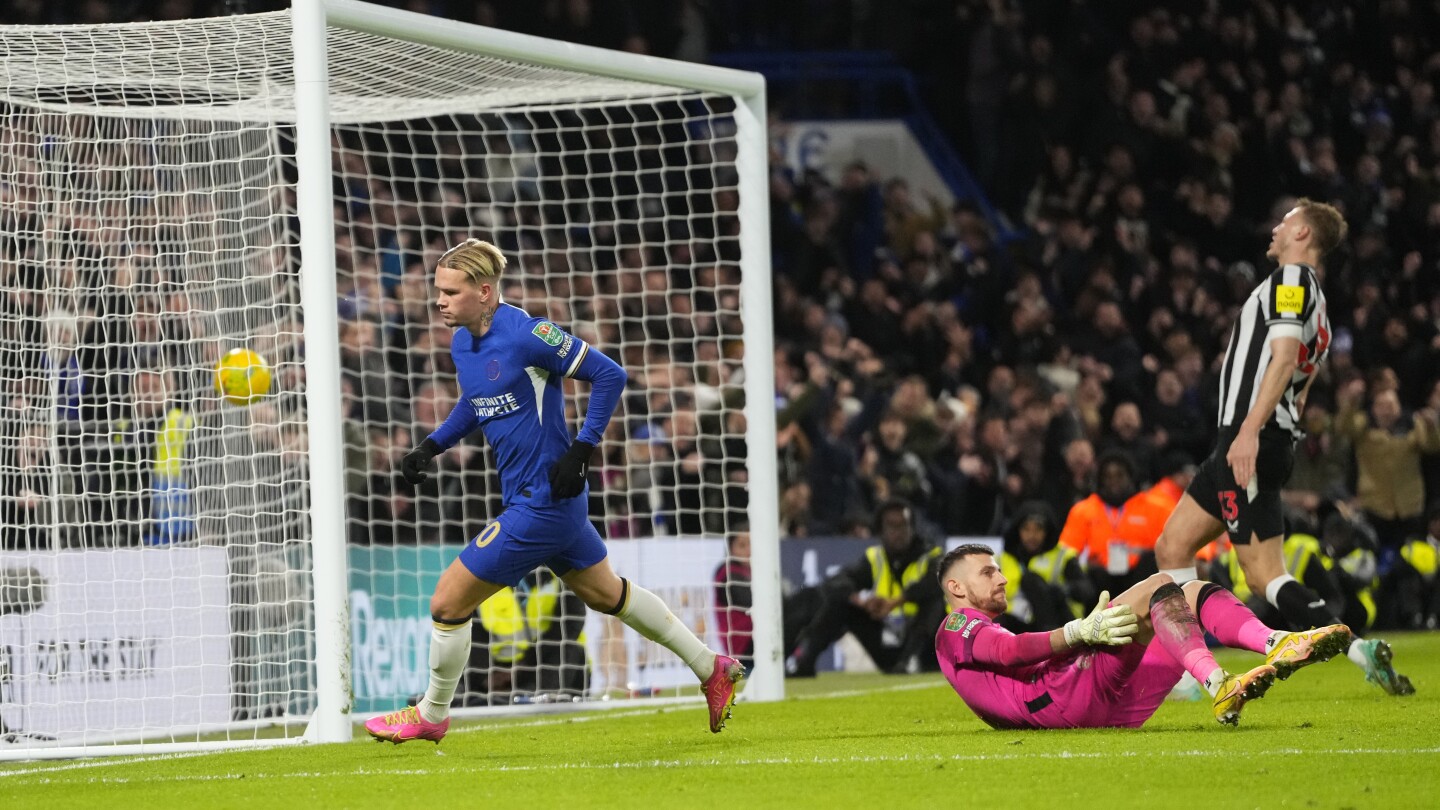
x,y
888,598
1424,558
1109,527
144,474
27,500
1046,580
1178,423
904,219
912,403
833,470
1431,464
1142,176
907,475
1108,351
861,216
1030,337
732,598
973,499
1388,449
1075,481
874,317
796,516
1348,543
1127,435
1323,462
1089,404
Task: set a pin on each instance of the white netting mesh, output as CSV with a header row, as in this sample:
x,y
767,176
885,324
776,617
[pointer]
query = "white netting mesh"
x,y
239,69
154,570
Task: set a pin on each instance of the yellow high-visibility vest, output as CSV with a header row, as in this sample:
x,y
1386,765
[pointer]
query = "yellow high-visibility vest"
x,y
1051,564
887,586
1355,564
514,629
168,461
1421,555
1010,567
1051,568
1299,550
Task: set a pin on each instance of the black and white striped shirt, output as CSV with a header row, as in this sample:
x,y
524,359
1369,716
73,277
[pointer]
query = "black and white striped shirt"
x,y
1287,304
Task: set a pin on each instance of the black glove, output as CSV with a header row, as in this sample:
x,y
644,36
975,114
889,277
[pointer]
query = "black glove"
x,y
416,464
567,477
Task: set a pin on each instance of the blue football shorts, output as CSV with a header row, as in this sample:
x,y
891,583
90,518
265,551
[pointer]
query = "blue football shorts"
x,y
527,536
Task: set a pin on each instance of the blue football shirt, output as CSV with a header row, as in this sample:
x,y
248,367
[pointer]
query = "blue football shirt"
x,y
510,388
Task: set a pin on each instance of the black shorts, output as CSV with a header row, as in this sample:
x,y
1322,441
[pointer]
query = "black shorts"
x,y
1215,490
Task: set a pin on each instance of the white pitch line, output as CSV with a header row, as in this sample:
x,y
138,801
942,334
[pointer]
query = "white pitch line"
x,y
468,767
901,687
638,712
600,714
104,762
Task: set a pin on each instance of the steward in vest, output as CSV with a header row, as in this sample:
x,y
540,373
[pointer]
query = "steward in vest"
x,y
1110,529
1045,580
1411,587
889,598
1349,543
147,464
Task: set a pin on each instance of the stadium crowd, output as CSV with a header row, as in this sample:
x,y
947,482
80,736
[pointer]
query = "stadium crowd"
x,y
1147,160
1142,150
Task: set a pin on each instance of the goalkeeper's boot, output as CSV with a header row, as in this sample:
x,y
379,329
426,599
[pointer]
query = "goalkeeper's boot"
x,y
1308,647
1237,690
1378,669
405,725
719,689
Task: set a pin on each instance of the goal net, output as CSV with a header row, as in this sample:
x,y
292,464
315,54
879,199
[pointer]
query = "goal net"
x,y
165,552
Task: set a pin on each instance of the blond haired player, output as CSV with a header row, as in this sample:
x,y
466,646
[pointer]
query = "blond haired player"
x,y
510,367
1279,340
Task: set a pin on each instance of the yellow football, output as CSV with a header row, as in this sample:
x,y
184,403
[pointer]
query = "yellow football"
x,y
242,376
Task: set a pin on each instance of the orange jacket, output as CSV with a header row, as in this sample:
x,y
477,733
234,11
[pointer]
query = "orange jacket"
x,y
1167,491
1093,524
1154,505
1161,500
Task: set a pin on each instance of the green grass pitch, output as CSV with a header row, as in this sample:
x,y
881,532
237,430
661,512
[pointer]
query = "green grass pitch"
x,y
1323,739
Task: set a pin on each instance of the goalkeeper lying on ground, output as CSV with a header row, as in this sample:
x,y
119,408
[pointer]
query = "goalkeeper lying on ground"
x,y
1115,666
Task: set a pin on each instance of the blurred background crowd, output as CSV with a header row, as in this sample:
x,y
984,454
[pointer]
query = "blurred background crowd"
x,y
1137,153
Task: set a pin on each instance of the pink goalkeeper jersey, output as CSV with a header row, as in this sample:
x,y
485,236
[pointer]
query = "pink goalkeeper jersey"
x,y
1002,677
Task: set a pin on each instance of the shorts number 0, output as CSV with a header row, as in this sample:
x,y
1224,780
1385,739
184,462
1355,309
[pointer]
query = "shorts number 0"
x,y
487,534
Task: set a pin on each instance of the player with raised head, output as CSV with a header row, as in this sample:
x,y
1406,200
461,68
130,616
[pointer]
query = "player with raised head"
x,y
1112,668
510,367
1279,340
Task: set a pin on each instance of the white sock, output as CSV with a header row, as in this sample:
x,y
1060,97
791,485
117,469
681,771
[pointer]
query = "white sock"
x,y
1357,654
1213,680
649,617
449,649
1272,591
1182,575
1274,638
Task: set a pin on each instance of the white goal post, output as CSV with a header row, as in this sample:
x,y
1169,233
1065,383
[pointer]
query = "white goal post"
x,y
180,573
